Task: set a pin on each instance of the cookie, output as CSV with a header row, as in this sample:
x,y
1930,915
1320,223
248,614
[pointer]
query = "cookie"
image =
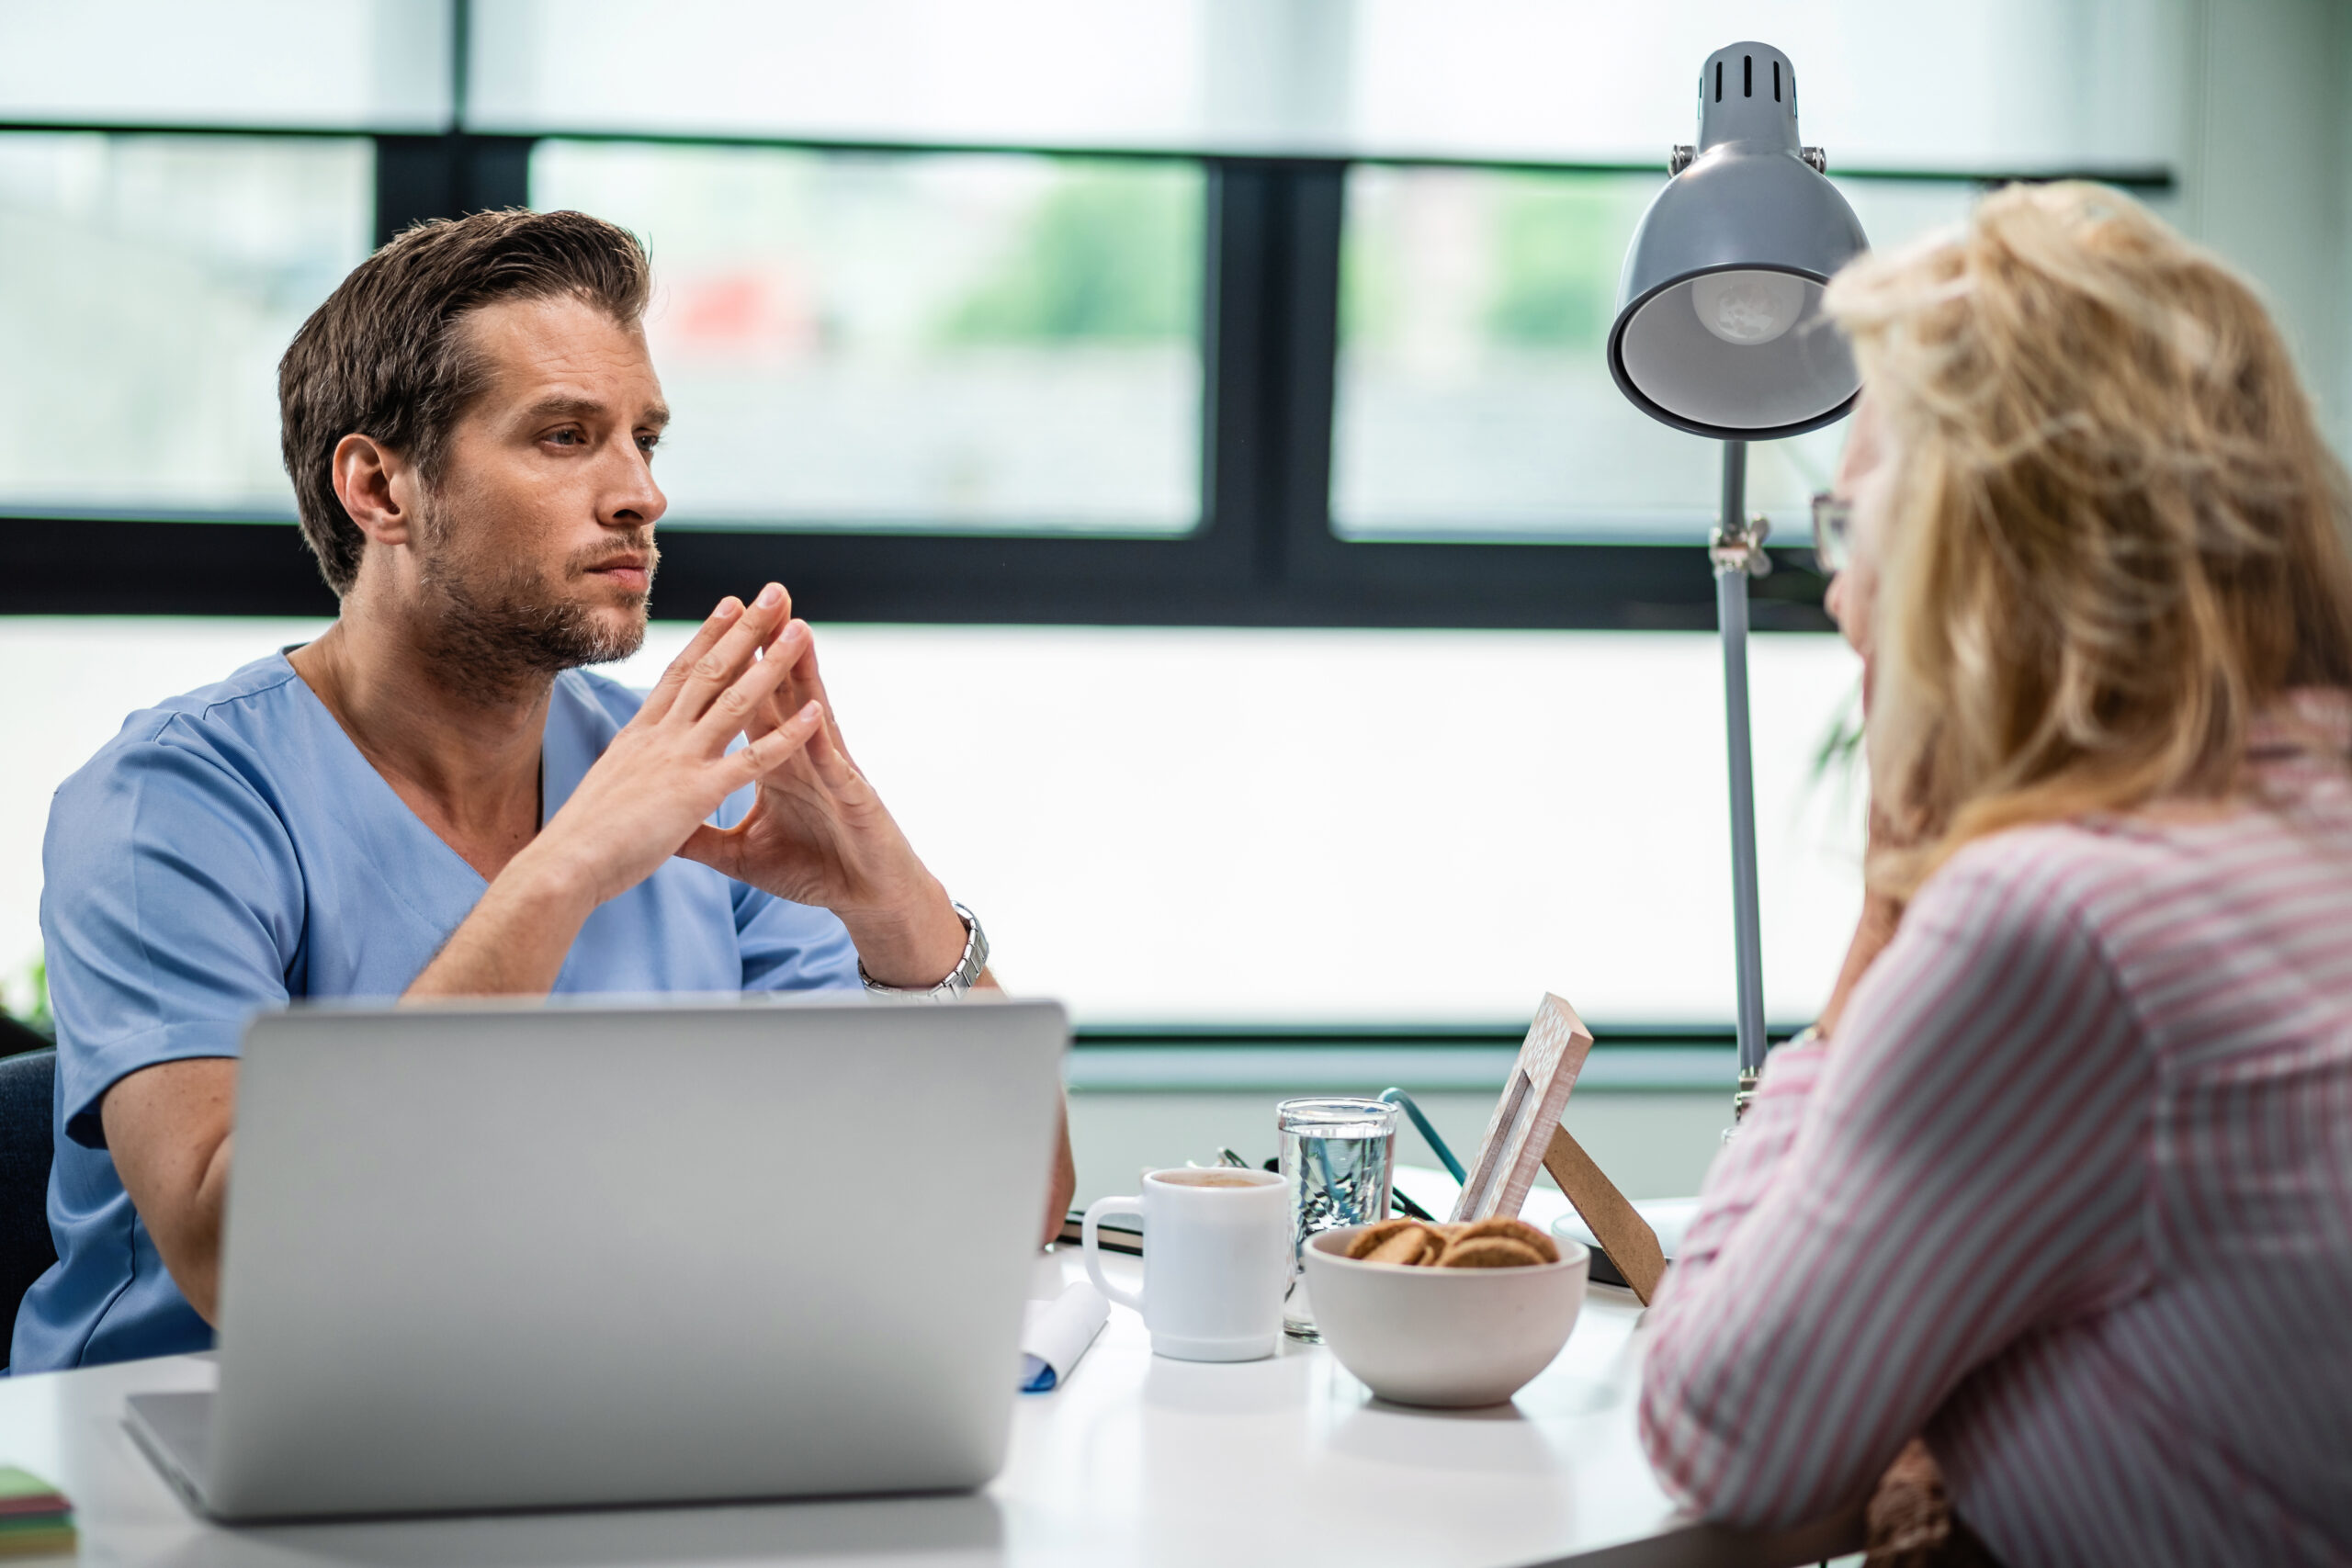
x,y
1373,1235
1490,1252
1517,1230
1412,1245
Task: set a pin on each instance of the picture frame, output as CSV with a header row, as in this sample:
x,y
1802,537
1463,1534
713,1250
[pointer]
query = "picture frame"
x,y
1525,1135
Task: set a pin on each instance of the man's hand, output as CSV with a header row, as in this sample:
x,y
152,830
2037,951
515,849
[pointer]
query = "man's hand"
x,y
168,1127
817,834
670,767
666,771
1062,1185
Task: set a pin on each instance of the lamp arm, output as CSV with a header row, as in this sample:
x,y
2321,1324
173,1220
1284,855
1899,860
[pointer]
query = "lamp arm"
x,y
1736,551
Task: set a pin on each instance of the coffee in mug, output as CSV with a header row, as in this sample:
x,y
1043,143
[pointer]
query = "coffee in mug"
x,y
1216,1261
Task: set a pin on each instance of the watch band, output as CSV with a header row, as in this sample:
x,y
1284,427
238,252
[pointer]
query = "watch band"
x,y
962,979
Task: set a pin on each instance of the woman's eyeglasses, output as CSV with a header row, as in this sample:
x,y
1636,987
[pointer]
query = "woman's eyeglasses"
x,y
1832,520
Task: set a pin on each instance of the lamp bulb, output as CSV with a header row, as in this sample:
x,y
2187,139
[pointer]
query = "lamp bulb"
x,y
1747,308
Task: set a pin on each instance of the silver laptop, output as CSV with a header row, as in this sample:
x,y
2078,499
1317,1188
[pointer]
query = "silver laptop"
x,y
541,1255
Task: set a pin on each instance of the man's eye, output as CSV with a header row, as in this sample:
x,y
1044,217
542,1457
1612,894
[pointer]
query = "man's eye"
x,y
567,437
646,444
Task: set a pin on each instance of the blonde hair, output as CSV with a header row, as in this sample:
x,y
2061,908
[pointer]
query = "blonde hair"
x,y
2115,534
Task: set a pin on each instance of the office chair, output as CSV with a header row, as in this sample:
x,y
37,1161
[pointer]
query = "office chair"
x,y
28,1079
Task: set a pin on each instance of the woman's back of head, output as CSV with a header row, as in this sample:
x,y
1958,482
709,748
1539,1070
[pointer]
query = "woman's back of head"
x,y
2113,535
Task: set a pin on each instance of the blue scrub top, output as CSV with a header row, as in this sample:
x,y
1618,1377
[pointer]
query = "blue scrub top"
x,y
231,851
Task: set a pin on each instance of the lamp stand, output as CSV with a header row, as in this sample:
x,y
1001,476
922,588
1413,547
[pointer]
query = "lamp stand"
x,y
1737,550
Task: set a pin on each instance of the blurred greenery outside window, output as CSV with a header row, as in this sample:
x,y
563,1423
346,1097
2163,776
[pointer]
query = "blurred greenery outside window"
x,y
25,996
985,343
148,285
1474,397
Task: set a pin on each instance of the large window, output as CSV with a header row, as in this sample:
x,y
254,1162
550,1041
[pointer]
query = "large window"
x,y
865,340
1473,397
1221,379
1244,312
150,283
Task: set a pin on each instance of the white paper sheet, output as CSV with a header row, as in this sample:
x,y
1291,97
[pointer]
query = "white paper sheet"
x,y
1055,1333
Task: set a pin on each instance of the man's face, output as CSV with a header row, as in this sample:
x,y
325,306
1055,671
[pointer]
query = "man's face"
x,y
535,550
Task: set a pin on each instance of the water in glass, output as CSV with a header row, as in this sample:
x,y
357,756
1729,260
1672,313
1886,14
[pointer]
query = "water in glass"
x,y
1336,1157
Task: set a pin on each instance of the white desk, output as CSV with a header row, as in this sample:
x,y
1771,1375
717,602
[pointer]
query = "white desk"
x,y
1135,1460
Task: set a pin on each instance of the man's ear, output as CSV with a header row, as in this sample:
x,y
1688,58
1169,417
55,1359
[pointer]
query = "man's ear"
x,y
378,487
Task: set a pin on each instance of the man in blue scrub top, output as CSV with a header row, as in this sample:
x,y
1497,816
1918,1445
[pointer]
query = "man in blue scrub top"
x,y
433,800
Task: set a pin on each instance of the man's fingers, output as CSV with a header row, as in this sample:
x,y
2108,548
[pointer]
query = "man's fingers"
x,y
743,707
803,689
808,684
717,848
833,767
665,691
789,697
780,703
728,658
774,748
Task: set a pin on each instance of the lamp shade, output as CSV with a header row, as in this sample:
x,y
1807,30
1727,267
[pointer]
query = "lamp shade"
x,y
1719,328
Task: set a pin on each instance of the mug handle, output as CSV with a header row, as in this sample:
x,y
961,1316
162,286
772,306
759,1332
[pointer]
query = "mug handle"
x,y
1090,1245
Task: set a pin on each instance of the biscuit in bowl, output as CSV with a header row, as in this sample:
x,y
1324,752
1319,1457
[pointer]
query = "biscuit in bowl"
x,y
1449,1336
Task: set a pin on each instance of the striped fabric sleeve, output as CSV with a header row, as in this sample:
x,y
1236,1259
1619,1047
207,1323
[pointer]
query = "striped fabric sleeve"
x,y
1960,1166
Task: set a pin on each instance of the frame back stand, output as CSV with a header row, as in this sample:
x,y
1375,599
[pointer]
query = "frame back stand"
x,y
1626,1237
1525,1135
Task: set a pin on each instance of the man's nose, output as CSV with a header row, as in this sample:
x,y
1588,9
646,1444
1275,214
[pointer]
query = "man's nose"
x,y
636,500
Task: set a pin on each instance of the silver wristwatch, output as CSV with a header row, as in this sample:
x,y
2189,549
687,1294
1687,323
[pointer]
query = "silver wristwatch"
x,y
965,974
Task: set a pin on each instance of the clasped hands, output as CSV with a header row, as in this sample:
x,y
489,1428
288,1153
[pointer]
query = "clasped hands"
x,y
816,833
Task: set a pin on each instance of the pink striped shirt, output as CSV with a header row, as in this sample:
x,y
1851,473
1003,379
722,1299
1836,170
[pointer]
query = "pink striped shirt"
x,y
2071,1194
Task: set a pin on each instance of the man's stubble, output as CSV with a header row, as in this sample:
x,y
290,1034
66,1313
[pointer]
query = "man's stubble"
x,y
494,629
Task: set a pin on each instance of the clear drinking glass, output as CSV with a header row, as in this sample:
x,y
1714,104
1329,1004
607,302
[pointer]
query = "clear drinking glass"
x,y
1336,1162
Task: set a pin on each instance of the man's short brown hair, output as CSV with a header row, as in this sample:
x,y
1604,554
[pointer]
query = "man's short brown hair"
x,y
386,356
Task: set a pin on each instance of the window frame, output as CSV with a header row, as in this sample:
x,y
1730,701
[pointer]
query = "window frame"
x,y
1264,554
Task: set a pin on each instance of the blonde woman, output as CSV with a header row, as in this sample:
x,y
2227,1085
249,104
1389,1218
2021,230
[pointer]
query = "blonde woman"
x,y
2065,1185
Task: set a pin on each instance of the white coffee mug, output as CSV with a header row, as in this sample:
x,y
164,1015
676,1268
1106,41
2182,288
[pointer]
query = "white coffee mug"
x,y
1216,1260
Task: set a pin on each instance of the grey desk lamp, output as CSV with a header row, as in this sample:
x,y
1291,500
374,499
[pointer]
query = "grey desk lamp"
x,y
1719,331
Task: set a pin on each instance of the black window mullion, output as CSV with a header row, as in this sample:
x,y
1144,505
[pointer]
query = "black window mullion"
x,y
418,178
1314,217
106,566
1250,459
494,172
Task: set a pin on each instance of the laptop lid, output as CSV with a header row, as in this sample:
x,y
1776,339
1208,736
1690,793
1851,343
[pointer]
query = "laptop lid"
x,y
538,1255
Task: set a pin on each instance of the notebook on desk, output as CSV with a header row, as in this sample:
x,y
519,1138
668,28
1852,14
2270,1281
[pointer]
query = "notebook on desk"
x,y
539,1255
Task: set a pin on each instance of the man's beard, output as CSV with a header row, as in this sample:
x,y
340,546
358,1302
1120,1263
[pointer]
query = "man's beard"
x,y
494,630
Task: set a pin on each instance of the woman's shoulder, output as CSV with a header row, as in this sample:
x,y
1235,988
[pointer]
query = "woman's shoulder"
x,y
2077,851
2029,881
2126,875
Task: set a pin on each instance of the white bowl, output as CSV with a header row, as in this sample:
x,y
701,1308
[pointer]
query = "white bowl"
x,y
1443,1336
